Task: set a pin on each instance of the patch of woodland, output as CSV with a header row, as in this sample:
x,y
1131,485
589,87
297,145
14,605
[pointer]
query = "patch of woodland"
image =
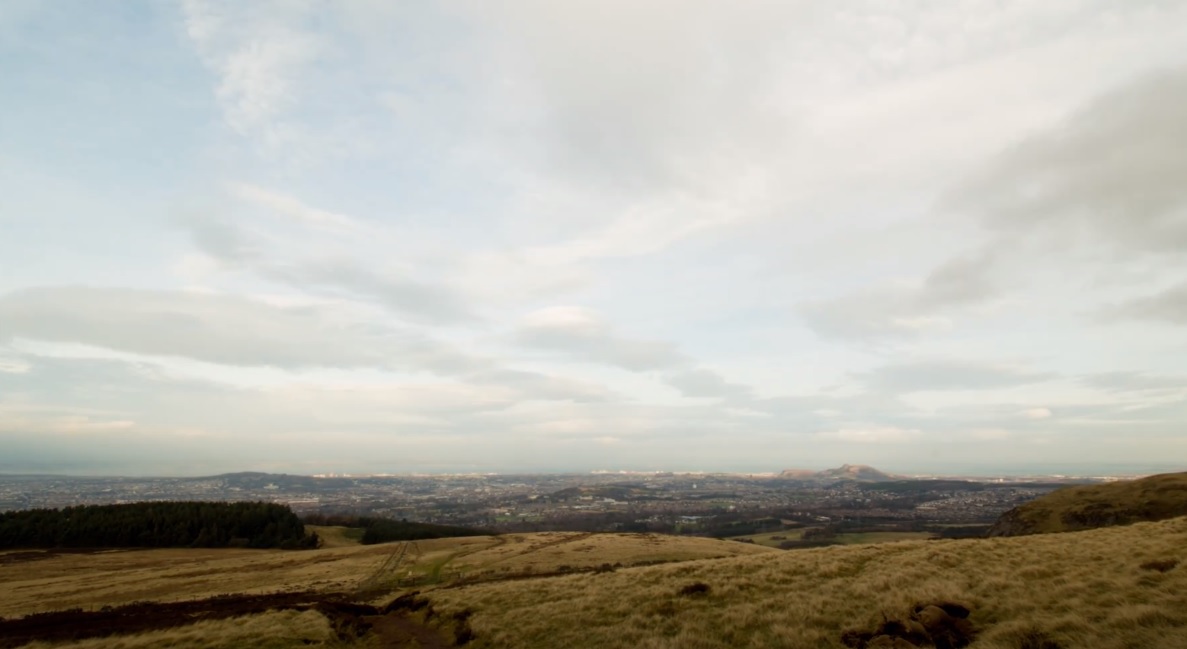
x,y
164,524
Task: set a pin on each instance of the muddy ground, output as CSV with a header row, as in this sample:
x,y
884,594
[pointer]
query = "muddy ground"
x,y
402,622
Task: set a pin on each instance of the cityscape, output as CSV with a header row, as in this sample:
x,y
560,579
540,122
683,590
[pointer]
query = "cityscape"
x,y
711,504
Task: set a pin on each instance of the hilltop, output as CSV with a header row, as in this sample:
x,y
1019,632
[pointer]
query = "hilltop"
x,y
1101,505
851,472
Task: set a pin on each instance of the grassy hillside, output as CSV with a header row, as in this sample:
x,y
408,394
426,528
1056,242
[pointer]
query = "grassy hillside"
x,y
1102,588
36,581
1090,506
1109,588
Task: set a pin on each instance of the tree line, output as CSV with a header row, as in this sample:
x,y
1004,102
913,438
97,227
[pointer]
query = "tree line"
x,y
168,524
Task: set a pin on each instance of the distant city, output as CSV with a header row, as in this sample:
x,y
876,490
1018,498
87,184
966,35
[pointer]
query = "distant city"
x,y
717,504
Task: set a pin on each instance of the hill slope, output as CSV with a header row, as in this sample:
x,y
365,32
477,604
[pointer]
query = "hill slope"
x,y
1107,589
1113,588
1090,506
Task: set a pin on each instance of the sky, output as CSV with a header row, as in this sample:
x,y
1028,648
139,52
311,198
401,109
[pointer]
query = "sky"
x,y
528,235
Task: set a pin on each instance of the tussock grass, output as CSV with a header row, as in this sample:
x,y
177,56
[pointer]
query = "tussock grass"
x,y
90,581
277,630
1083,589
1065,591
1153,498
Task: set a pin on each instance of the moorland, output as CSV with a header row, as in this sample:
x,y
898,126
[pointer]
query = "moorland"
x,y
1114,587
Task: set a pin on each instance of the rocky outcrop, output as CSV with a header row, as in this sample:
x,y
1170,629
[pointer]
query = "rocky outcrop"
x,y
854,472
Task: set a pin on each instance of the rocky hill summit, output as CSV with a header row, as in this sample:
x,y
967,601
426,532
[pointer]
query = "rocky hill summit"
x,y
1085,507
853,472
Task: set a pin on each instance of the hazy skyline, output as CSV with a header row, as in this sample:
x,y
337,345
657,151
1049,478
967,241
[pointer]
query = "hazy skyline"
x,y
525,235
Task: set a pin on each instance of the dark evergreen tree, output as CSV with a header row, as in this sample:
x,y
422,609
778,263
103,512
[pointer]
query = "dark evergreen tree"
x,y
156,525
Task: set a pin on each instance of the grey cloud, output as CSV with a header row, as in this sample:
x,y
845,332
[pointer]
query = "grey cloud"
x,y
672,95
218,329
1169,307
960,280
1114,171
582,334
1134,382
414,300
702,382
222,240
929,375
418,301
878,312
905,310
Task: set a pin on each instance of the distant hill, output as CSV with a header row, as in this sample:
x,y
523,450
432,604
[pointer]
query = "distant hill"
x,y
1102,505
852,472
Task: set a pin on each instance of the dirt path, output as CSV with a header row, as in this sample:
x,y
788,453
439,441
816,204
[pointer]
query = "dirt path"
x,y
532,549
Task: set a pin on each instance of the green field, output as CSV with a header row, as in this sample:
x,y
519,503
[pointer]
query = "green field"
x,y
857,538
771,539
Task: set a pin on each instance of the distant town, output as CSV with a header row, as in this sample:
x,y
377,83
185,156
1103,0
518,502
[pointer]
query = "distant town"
x,y
850,498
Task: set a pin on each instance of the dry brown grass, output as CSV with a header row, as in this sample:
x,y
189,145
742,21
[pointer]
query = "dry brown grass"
x,y
276,630
112,578
1081,507
91,581
1085,589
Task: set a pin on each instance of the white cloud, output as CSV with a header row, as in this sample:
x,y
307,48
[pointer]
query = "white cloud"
x,y
259,62
290,207
1037,413
224,329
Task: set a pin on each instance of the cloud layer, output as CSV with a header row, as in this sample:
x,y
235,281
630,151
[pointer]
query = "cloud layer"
x,y
569,236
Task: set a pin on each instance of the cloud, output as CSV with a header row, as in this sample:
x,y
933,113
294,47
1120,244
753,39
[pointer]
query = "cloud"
x,y
906,309
581,333
1166,307
259,63
1135,382
288,261
1113,172
224,329
878,435
12,365
290,207
682,92
414,300
702,382
223,241
1037,413
928,375
534,385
